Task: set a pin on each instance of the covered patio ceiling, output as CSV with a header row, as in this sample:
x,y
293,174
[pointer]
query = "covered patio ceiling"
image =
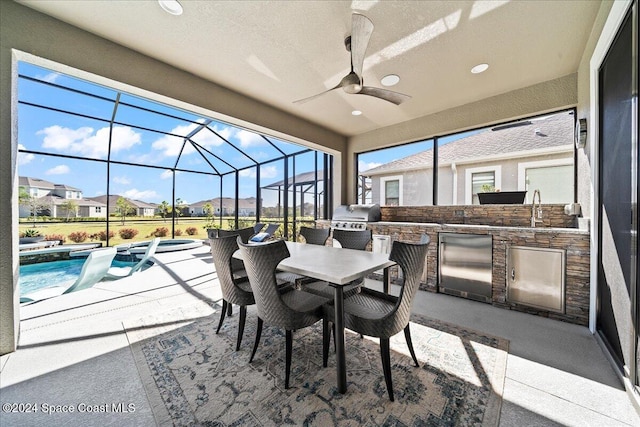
x,y
277,52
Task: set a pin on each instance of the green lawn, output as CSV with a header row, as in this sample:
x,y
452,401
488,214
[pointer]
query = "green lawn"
x,y
144,226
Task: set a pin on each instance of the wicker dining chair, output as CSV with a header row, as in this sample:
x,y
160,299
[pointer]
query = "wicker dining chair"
x,y
352,239
349,240
315,236
234,283
244,233
381,315
235,288
291,310
237,264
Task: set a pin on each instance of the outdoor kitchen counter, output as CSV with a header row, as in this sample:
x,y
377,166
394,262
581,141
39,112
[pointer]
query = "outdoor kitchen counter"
x,y
576,243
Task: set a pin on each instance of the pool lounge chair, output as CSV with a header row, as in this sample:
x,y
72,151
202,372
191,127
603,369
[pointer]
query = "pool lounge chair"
x,y
115,273
93,270
266,234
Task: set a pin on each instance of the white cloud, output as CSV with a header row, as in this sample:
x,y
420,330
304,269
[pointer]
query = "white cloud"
x,y
166,174
58,170
170,146
362,166
265,172
24,158
143,195
85,142
51,77
121,180
249,139
268,172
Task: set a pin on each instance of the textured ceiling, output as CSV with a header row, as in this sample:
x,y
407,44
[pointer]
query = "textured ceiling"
x,y
281,51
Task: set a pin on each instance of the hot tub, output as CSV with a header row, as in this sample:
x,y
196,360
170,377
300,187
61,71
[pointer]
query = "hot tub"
x,y
168,245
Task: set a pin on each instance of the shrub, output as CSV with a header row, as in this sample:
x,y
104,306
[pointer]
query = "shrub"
x,y
160,232
191,231
178,232
54,237
127,233
102,235
78,236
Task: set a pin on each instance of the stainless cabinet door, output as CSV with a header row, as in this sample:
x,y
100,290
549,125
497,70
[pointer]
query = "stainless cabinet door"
x,y
536,277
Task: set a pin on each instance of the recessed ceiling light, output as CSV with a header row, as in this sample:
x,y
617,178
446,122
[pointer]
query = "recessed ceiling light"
x,y
390,80
479,68
171,6
356,113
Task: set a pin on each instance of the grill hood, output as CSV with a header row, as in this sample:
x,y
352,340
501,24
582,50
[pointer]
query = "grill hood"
x,y
365,213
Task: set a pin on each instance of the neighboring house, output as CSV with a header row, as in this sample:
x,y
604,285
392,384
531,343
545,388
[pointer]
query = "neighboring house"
x,y
533,154
55,200
142,208
225,206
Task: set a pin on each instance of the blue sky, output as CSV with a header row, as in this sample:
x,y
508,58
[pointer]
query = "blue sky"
x,y
87,137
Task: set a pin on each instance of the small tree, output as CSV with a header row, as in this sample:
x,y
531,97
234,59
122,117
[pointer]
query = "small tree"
x,y
180,205
34,204
70,207
123,208
207,209
164,209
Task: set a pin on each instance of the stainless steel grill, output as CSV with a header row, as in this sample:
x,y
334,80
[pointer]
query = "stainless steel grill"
x,y
355,217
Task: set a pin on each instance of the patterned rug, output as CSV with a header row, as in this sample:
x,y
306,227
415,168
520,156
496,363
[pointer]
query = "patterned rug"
x,y
194,377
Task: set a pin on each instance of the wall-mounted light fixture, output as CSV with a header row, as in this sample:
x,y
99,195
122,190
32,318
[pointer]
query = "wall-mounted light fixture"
x,y
580,133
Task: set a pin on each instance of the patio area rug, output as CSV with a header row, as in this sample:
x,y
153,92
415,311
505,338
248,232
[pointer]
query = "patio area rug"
x,y
194,377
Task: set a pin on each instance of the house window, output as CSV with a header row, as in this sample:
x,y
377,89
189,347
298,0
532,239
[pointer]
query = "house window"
x,y
554,179
481,180
391,191
98,209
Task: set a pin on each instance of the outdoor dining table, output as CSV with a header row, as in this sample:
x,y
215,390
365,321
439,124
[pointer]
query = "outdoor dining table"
x,y
338,267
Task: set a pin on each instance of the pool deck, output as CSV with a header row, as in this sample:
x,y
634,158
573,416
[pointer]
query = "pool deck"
x,y
74,349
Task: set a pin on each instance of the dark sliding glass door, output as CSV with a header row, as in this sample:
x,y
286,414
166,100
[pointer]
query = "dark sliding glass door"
x,y
617,302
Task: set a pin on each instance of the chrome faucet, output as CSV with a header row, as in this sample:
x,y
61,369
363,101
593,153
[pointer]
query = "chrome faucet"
x,y
536,213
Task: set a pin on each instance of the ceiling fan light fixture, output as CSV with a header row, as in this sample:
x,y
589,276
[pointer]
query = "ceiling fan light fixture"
x,y
356,113
390,80
171,6
480,68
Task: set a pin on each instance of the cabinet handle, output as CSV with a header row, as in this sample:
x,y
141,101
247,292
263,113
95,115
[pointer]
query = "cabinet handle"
x,y
513,274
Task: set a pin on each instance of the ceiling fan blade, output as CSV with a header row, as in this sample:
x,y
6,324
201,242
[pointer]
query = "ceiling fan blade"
x,y
361,29
388,95
303,100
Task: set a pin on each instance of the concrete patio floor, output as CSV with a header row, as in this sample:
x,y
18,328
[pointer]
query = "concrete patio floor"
x,y
73,349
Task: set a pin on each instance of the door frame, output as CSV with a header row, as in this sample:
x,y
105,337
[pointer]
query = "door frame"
x,y
612,26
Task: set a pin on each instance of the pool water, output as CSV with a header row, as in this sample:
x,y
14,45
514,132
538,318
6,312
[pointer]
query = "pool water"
x,y
34,277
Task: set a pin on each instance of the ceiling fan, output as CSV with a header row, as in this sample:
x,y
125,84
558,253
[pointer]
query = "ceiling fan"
x,y
353,83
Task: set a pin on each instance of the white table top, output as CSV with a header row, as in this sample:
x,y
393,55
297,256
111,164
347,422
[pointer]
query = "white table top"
x,y
335,265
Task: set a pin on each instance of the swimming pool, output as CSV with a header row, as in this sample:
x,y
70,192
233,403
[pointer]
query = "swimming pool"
x,y
34,277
